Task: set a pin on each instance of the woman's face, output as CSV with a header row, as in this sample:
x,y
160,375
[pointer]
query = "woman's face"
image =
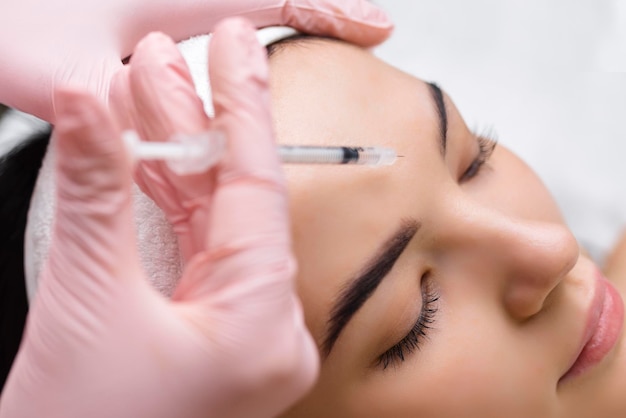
x,y
446,285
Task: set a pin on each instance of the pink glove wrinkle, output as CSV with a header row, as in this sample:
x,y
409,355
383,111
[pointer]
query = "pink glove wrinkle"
x,y
100,342
53,43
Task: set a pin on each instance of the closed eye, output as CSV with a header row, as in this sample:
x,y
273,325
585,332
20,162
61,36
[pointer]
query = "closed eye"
x,y
486,147
418,333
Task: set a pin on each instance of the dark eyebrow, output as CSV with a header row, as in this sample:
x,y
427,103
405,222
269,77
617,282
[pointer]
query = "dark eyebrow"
x,y
358,290
440,105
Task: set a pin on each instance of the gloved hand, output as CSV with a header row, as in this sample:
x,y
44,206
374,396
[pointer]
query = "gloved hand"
x,y
57,42
155,96
99,341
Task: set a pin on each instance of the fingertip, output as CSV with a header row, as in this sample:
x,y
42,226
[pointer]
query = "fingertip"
x,y
86,138
78,115
236,25
375,15
153,43
69,101
358,21
163,90
371,15
155,60
64,99
238,59
239,77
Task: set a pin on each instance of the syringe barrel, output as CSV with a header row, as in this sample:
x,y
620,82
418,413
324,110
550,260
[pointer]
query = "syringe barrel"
x,y
336,155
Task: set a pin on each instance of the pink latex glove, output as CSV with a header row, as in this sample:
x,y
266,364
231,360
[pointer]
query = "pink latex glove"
x,y
99,341
155,95
46,43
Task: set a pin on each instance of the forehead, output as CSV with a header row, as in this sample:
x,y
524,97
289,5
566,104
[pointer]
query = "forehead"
x,y
330,93
327,92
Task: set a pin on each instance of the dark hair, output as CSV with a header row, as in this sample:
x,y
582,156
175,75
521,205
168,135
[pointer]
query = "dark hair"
x,y
18,173
299,40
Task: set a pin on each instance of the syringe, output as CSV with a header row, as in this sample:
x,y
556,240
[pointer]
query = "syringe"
x,y
189,154
372,156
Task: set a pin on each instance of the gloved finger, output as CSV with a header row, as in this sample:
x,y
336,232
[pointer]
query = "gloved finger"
x,y
359,21
250,172
246,275
249,205
166,104
163,94
91,234
356,21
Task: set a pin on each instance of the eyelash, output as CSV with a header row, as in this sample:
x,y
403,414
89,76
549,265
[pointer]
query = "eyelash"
x,y
411,342
486,145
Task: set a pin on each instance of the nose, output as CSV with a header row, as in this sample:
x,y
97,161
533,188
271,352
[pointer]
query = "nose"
x,y
523,260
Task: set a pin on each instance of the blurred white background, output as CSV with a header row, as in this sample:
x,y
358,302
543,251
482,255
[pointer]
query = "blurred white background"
x,y
548,75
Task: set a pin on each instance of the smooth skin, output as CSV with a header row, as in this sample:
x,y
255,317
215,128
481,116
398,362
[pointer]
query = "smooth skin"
x,y
513,287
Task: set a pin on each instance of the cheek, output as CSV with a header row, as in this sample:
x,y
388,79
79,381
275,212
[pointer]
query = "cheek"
x,y
512,187
489,365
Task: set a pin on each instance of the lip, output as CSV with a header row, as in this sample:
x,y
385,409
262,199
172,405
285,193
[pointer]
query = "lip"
x,y
603,328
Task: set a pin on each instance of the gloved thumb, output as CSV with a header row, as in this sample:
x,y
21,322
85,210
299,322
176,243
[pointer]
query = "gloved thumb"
x,y
93,245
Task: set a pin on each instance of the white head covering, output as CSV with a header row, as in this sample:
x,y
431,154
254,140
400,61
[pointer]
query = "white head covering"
x,y
157,243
